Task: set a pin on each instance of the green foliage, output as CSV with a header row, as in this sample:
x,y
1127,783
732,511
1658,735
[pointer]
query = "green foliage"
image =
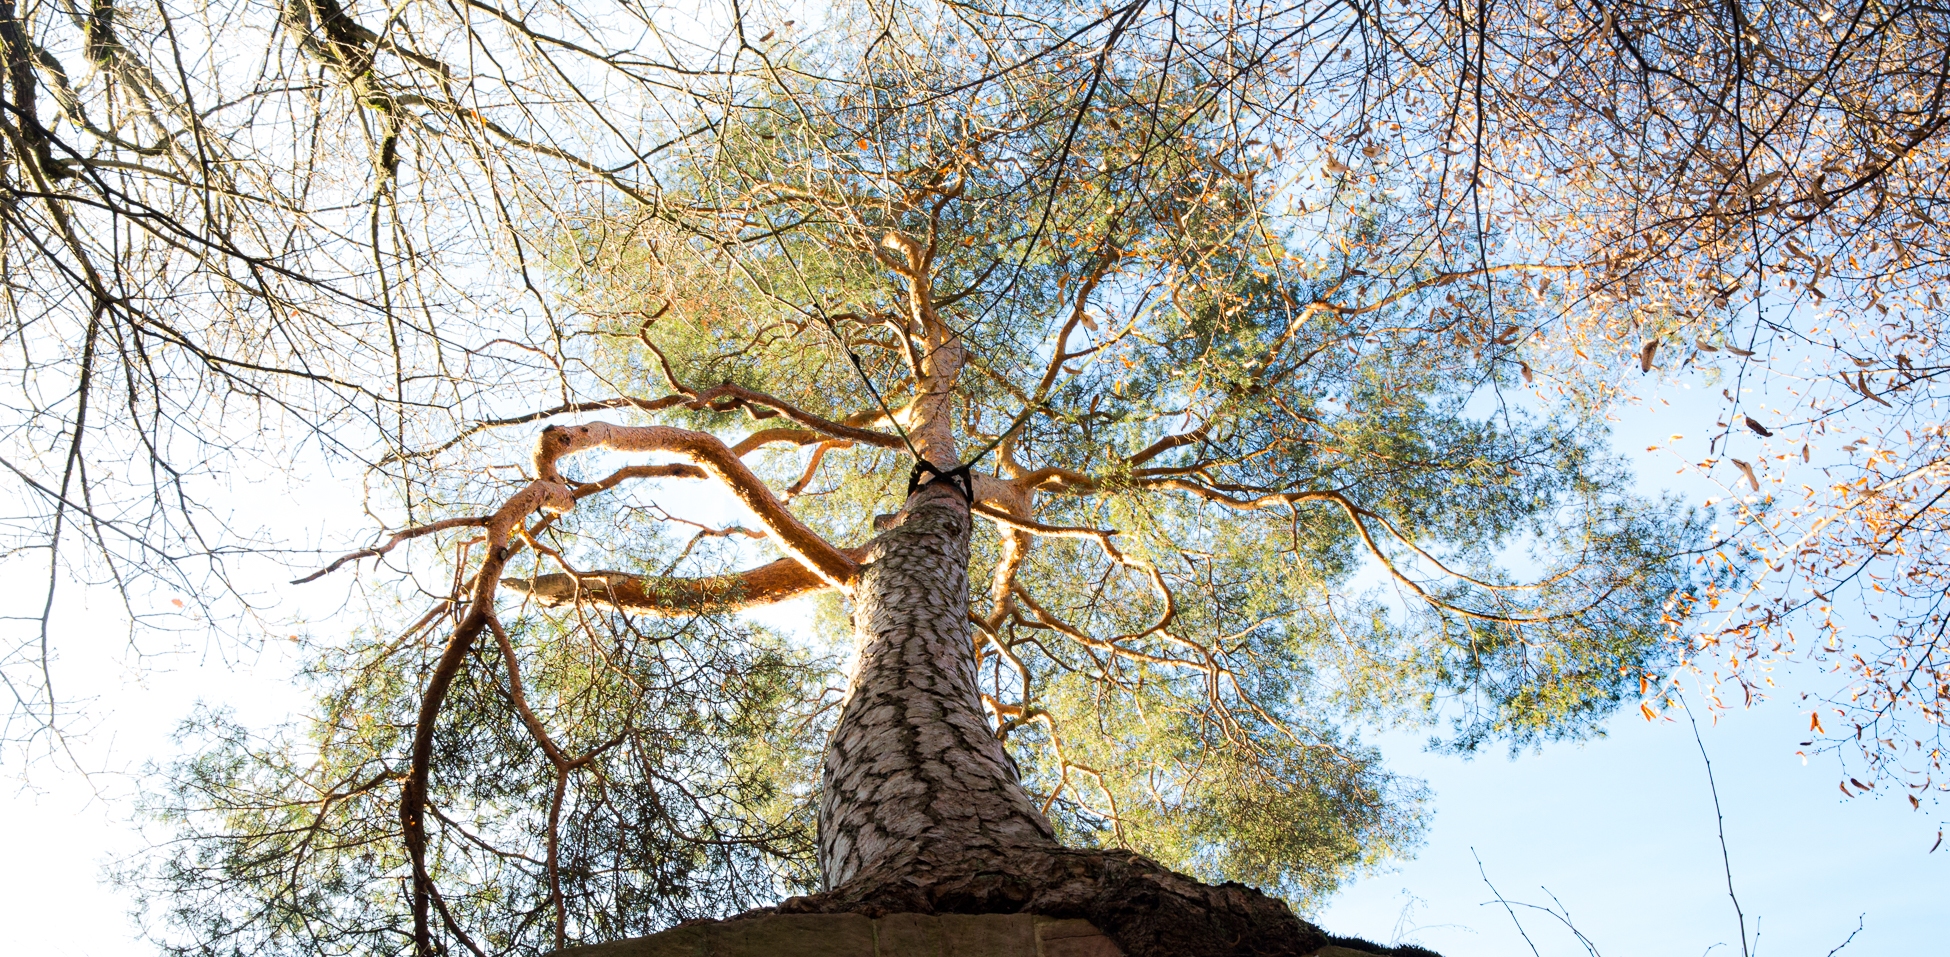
x,y
1146,767
1341,416
701,746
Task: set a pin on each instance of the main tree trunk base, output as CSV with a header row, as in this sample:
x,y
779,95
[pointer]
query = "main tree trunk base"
x,y
1059,902
1147,909
898,935
852,935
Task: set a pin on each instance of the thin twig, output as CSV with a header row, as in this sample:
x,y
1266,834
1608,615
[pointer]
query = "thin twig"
x,y
1506,904
1720,823
1851,936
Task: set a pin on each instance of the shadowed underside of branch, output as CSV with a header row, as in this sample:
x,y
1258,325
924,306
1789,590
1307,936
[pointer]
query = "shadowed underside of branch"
x,y
768,584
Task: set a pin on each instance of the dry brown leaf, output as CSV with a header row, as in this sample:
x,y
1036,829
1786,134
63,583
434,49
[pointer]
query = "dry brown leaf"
x,y
1748,471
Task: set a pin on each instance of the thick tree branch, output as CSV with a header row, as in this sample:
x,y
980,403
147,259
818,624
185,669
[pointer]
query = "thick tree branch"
x,y
539,495
764,437
767,584
792,536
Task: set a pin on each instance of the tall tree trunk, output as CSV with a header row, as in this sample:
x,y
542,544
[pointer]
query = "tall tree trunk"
x,y
923,811
913,771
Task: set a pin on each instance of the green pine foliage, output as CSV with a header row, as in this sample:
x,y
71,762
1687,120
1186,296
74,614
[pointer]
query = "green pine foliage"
x,y
693,801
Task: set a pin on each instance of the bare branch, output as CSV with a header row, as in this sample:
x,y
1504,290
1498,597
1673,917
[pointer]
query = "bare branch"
x,y
388,545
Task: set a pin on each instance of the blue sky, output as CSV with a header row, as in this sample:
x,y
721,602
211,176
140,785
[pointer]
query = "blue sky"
x,y
1621,830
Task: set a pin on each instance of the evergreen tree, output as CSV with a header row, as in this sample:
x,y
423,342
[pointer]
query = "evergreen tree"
x,y
1133,480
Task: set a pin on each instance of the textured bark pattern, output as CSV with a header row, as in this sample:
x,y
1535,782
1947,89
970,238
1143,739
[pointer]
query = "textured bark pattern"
x,y
851,935
1147,909
923,812
914,776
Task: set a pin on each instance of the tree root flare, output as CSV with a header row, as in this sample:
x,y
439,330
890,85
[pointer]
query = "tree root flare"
x,y
1149,910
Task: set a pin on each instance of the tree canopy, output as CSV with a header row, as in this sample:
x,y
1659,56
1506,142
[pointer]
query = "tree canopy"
x,y
1278,341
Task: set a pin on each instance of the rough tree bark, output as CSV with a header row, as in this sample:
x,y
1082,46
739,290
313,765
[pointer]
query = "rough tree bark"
x,y
913,770
923,811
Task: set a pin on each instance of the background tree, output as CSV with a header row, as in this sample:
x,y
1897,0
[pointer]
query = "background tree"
x,y
1749,196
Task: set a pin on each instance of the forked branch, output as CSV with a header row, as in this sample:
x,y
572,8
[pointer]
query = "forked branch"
x,y
832,565
550,493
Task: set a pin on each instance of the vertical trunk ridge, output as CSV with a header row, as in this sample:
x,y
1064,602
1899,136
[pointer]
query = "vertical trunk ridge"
x,y
914,777
923,812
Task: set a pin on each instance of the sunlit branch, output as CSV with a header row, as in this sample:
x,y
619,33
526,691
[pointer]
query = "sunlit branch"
x,y
773,582
708,452
813,462
582,490
764,437
1168,443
